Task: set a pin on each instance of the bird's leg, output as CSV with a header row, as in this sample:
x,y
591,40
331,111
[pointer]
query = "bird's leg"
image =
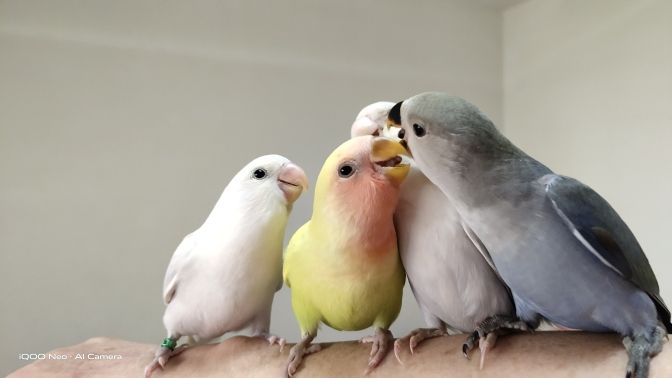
x,y
415,338
166,351
302,348
491,325
380,341
641,348
260,327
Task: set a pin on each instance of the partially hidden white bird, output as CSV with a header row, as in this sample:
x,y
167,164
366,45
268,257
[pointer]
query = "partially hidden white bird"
x,y
455,287
223,276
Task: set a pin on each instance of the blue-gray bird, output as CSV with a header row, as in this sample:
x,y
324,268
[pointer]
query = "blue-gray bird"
x,y
562,249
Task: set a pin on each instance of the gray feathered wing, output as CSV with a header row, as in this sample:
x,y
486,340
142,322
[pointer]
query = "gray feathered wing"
x,y
597,225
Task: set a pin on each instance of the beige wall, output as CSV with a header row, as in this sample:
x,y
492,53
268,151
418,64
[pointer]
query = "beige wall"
x,y
588,91
121,122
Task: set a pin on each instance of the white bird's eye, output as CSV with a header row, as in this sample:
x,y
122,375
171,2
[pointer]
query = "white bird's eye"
x,y
346,170
259,173
419,130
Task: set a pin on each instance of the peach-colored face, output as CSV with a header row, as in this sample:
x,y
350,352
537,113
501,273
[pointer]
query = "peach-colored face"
x,y
363,174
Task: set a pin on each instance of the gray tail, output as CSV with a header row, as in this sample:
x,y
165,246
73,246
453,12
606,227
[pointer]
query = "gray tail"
x,y
663,312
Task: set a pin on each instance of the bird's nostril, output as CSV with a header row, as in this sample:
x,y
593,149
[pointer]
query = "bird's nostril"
x,y
401,134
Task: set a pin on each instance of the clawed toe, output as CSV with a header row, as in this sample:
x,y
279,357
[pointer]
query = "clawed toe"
x,y
151,367
640,349
485,346
469,344
415,338
161,358
297,353
380,345
490,326
397,350
295,358
273,340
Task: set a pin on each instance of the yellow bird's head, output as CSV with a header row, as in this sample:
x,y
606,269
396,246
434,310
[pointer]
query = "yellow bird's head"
x,y
362,176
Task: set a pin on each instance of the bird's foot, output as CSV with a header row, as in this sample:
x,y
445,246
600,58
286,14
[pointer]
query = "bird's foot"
x,y
640,350
273,339
485,346
161,358
380,341
491,326
298,351
415,338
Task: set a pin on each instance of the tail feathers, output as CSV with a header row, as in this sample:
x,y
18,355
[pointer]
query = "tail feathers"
x,y
663,312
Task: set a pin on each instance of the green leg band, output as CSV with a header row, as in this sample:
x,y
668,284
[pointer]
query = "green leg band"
x,y
169,343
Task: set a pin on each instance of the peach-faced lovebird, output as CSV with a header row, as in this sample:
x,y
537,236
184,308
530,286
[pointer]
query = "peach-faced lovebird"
x,y
223,276
455,287
564,252
342,266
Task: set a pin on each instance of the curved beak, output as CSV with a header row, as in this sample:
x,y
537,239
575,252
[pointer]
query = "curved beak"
x,y
293,181
394,121
394,116
386,156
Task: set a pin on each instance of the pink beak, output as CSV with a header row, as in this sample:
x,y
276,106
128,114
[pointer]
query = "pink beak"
x,y
292,181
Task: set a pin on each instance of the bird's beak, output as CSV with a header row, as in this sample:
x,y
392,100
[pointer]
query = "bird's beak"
x,y
293,181
386,154
394,117
394,120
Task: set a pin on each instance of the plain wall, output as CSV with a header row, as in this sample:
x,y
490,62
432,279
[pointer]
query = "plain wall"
x,y
122,121
588,91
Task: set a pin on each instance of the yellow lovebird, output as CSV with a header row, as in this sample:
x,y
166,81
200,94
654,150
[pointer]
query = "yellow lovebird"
x,y
343,266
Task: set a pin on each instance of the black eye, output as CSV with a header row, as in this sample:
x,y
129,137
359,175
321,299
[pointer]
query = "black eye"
x,y
259,173
419,130
401,134
346,170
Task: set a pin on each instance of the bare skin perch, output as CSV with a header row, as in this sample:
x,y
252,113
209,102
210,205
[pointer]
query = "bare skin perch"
x,y
547,354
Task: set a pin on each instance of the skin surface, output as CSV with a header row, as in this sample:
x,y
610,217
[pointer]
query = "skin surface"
x,y
543,354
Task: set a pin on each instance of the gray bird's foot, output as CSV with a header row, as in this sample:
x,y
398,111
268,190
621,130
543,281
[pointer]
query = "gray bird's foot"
x,y
298,351
492,325
415,338
380,340
161,358
485,346
640,350
273,339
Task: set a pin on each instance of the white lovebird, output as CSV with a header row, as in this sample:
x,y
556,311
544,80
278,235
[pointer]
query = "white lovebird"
x,y
455,287
223,276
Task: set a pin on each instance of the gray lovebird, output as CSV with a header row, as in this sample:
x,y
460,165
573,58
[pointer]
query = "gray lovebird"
x,y
223,276
455,287
562,249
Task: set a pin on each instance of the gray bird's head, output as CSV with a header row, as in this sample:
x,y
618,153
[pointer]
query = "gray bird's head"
x,y
441,131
